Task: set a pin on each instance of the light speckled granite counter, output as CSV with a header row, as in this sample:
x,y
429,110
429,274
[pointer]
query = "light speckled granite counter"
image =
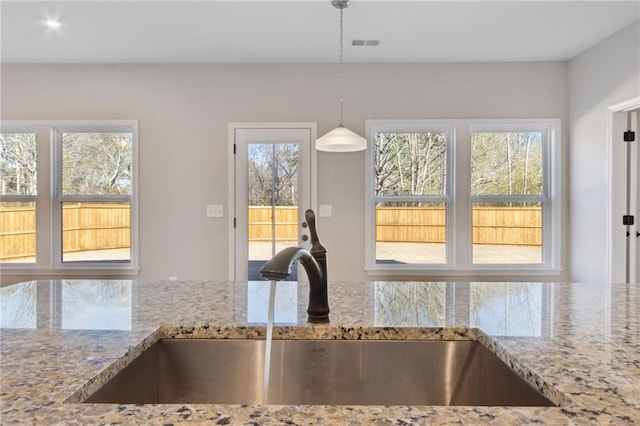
x,y
578,343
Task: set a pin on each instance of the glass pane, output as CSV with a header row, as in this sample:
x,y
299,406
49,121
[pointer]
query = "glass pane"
x,y
507,233
96,232
506,163
273,202
410,163
411,233
96,163
18,232
18,174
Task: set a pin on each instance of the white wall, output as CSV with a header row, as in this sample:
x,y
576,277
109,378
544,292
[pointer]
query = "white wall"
x,y
183,111
605,75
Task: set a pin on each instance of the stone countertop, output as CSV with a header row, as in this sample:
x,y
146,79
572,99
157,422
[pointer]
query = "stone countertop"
x,y
578,343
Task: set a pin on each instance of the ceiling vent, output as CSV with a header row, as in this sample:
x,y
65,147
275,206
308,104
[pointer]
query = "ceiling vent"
x,y
365,42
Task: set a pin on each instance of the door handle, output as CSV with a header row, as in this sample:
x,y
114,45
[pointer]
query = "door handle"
x,y
305,237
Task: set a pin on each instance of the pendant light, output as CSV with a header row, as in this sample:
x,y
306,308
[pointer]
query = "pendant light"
x,y
341,139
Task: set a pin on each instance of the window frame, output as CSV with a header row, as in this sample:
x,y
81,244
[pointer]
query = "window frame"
x,y
49,200
459,228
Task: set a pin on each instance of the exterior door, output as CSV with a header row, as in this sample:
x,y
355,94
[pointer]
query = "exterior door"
x,y
273,184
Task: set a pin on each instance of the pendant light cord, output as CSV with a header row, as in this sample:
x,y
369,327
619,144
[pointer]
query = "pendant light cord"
x,y
341,73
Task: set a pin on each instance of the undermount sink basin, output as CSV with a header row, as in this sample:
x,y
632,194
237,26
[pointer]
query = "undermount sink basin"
x,y
319,372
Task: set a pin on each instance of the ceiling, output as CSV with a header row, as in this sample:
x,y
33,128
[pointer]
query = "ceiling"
x,y
305,31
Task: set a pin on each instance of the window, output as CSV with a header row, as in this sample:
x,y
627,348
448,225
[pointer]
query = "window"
x,y
81,212
463,197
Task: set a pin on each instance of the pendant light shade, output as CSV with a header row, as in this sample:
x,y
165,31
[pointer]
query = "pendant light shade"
x,y
341,139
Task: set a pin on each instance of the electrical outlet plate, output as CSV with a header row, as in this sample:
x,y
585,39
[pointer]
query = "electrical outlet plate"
x,y
325,210
215,210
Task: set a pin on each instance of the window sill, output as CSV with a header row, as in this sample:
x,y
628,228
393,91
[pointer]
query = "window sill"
x,y
69,271
418,271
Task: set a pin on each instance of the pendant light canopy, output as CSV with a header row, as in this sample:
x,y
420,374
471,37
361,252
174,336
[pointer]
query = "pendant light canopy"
x,y
341,139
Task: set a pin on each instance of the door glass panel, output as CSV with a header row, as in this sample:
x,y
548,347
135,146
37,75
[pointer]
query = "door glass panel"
x,y
272,176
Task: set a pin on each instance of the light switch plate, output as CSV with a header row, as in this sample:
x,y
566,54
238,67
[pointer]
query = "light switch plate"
x,y
215,210
325,210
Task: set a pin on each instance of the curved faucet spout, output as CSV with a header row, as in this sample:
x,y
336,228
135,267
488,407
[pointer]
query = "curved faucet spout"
x,y
279,268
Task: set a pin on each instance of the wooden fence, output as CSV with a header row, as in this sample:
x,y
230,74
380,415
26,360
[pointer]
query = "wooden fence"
x,y
100,227
17,233
84,228
286,223
491,225
96,227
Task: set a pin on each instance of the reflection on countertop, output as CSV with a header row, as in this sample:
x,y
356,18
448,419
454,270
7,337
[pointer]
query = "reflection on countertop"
x,y
581,339
67,305
504,309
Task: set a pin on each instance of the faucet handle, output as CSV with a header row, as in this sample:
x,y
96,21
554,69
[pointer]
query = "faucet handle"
x,y
310,219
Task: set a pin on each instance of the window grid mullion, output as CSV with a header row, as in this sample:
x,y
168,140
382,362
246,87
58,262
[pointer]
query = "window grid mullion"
x,y
508,198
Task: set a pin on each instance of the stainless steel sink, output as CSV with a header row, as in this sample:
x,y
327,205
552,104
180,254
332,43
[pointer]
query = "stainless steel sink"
x,y
319,372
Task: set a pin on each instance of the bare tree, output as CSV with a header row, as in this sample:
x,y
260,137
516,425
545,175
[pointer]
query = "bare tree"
x,y
96,163
18,157
506,163
410,163
273,174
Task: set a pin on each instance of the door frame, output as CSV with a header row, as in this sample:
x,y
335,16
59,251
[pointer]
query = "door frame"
x,y
232,128
616,188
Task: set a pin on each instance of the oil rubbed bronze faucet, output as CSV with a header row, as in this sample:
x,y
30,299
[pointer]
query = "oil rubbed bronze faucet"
x,y
314,262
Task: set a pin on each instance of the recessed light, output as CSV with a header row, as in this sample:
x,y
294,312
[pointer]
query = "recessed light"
x,y
53,23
